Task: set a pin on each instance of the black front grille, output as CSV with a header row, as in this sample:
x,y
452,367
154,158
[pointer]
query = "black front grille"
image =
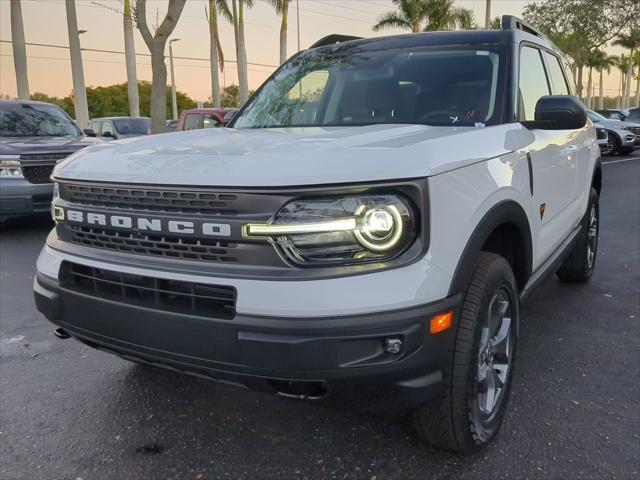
x,y
635,130
166,295
45,156
155,245
38,173
150,199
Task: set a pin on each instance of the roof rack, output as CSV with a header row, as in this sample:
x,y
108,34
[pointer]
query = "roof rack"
x,y
509,22
332,39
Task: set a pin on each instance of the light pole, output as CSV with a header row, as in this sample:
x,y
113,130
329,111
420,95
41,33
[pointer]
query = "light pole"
x,y
174,102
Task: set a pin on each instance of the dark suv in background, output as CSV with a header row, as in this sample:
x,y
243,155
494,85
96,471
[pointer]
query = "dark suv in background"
x,y
33,137
116,128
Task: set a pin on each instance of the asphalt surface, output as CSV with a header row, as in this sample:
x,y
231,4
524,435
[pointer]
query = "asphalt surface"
x,y
70,412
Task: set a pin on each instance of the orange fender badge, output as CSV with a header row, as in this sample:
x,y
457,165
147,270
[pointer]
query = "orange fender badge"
x,y
542,207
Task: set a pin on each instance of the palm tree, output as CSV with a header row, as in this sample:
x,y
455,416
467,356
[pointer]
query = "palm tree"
x,y
466,19
630,41
19,50
237,17
215,47
156,43
496,23
80,107
282,8
130,59
622,64
442,15
636,61
410,15
601,62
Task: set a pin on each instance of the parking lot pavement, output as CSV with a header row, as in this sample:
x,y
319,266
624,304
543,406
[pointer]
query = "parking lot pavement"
x,y
67,411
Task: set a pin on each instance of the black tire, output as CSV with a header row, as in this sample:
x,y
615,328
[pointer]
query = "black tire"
x,y
579,266
613,144
456,420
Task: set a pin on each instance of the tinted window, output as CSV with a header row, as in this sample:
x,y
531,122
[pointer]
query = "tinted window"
x,y
132,126
349,85
210,121
634,115
532,84
556,76
35,120
192,121
595,117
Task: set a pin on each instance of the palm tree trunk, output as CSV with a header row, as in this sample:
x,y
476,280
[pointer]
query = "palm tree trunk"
x,y
627,90
77,72
638,88
241,54
579,82
590,88
213,54
283,33
601,98
19,50
130,58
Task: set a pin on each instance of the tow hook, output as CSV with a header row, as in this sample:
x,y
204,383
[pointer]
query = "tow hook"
x,y
61,333
300,390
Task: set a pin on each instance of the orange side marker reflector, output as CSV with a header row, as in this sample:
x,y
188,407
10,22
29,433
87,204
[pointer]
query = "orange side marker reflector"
x,y
441,322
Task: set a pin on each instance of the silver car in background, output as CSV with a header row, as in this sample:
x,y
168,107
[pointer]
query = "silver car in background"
x,y
622,137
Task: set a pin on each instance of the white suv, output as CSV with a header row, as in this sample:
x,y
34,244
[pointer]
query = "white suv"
x,y
371,222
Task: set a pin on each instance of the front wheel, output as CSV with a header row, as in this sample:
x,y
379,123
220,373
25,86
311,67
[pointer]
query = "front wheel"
x,y
579,266
477,381
613,144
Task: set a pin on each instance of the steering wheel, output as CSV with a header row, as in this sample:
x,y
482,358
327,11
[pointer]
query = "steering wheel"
x,y
447,117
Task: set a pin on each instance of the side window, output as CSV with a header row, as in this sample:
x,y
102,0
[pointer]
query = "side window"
x,y
558,81
210,121
532,83
107,128
96,127
192,121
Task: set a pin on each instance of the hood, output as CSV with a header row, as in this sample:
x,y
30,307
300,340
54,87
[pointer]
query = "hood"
x,y
292,156
617,124
18,145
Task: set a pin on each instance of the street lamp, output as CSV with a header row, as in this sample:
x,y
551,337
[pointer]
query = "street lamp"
x,y
174,102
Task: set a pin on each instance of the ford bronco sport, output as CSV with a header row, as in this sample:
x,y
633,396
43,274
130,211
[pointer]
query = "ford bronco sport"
x,y
372,220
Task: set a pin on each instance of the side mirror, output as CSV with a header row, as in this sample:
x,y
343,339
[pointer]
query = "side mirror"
x,y
559,112
89,132
107,134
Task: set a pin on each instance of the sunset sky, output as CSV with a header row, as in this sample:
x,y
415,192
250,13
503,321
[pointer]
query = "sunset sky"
x,y
50,71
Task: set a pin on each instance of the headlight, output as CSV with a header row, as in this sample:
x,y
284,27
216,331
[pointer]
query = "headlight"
x,y
344,230
10,168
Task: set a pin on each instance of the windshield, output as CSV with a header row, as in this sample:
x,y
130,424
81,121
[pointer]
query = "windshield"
x,y
595,117
346,85
35,120
132,126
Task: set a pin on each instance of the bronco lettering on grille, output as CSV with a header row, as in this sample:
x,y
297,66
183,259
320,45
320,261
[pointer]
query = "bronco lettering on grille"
x,y
145,224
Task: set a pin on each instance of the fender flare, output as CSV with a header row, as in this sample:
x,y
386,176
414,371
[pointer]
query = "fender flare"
x,y
506,212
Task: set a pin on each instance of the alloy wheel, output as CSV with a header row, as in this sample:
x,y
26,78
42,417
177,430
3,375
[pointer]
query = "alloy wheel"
x,y
495,354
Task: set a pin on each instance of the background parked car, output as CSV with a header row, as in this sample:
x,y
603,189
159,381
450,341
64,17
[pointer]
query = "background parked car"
x,y
197,118
614,113
634,115
33,137
603,138
172,125
623,137
119,127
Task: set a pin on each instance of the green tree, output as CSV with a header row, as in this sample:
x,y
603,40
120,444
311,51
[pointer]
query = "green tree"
x,y
409,16
496,23
577,29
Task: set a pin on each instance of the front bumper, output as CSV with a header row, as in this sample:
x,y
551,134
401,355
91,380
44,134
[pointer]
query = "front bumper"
x,y
20,198
300,354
